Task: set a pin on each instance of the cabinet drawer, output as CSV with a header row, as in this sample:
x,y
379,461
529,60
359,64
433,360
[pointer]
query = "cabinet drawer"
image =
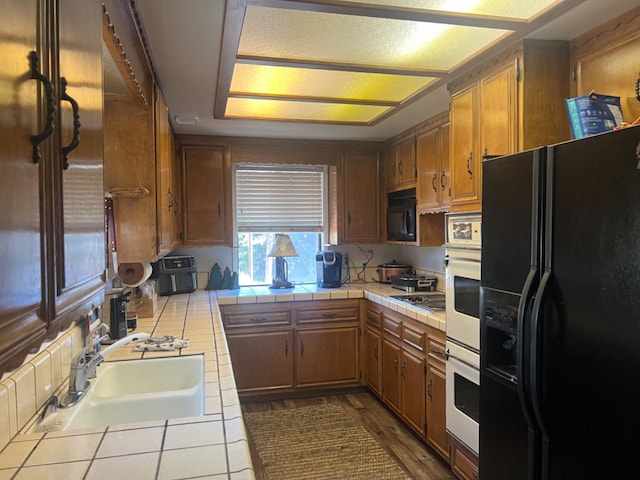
x,y
464,463
414,337
436,349
374,319
392,326
254,317
329,313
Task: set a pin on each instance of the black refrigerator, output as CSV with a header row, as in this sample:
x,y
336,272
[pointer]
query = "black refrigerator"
x,y
560,311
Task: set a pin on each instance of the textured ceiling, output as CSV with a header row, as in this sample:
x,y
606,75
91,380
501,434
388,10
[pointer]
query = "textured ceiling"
x,y
186,40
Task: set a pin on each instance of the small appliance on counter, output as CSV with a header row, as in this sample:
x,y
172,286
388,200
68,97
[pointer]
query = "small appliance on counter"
x,y
329,269
117,314
178,274
387,270
414,283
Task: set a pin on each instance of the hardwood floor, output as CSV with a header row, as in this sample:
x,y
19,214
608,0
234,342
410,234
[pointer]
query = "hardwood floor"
x,y
413,455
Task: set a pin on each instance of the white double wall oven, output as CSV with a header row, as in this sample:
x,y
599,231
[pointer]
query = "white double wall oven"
x,y
462,258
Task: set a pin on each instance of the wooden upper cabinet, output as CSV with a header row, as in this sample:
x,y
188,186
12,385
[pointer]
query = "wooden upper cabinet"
x,y
359,201
206,177
166,199
605,60
432,161
513,102
400,169
78,165
52,220
465,185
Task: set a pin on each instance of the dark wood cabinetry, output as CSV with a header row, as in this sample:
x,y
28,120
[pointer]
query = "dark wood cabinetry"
x,y
206,195
412,367
52,221
437,435
513,102
293,345
359,196
400,164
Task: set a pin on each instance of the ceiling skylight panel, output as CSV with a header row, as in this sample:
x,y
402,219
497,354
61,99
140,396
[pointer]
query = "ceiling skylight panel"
x,y
522,9
315,83
266,109
346,39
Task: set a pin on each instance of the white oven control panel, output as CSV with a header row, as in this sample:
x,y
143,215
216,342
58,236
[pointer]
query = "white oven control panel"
x,y
464,230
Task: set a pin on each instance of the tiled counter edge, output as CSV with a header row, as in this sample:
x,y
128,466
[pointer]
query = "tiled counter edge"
x,y
215,445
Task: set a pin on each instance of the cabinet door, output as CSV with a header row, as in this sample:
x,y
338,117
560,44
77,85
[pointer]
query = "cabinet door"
x,y
206,172
326,356
373,349
391,374
78,176
428,157
445,167
465,159
413,373
406,163
262,360
22,320
165,195
498,113
437,435
361,197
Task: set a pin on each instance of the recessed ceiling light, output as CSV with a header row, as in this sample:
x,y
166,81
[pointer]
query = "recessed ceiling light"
x,y
186,119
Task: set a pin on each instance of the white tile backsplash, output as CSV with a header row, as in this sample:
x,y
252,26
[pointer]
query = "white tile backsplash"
x,y
25,390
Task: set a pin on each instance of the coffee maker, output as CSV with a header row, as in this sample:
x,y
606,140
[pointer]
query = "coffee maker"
x,y
329,269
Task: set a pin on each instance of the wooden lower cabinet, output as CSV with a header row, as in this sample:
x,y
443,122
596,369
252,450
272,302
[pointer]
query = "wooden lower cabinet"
x,y
262,360
413,380
326,356
373,360
413,372
464,463
391,374
437,435
293,345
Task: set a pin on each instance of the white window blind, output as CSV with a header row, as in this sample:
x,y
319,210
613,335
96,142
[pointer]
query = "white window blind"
x,y
284,198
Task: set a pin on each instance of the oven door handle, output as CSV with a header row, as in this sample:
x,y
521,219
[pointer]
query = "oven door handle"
x,y
453,357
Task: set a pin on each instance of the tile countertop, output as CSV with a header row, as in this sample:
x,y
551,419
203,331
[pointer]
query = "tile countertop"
x,y
212,446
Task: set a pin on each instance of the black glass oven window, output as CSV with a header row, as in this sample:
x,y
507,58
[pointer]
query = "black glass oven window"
x,y
466,397
467,296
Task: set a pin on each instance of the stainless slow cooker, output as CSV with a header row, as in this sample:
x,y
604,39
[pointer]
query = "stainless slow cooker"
x,y
386,270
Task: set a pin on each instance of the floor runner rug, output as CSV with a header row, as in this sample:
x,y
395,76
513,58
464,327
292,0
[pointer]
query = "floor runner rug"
x,y
318,442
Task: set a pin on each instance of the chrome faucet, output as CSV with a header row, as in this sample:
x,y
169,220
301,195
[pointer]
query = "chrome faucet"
x,y
84,364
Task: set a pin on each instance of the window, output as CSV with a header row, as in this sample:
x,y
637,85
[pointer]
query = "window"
x,y
270,199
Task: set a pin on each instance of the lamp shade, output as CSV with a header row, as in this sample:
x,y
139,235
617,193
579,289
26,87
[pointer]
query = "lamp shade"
x,y
283,247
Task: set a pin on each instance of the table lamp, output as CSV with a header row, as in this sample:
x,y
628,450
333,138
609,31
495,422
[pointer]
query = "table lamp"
x,y
283,247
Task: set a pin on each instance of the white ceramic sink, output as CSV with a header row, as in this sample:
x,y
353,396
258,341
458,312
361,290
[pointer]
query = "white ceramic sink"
x,y
130,391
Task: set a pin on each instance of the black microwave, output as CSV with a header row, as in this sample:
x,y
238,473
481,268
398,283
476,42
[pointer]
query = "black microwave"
x,y
401,215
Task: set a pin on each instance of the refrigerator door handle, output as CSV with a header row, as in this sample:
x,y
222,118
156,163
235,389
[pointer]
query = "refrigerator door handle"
x,y
535,367
524,390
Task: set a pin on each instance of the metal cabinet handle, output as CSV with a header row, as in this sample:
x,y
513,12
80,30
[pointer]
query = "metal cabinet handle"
x,y
442,178
301,347
402,369
219,209
34,74
430,388
286,348
75,141
400,168
328,315
395,365
469,160
257,319
433,183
